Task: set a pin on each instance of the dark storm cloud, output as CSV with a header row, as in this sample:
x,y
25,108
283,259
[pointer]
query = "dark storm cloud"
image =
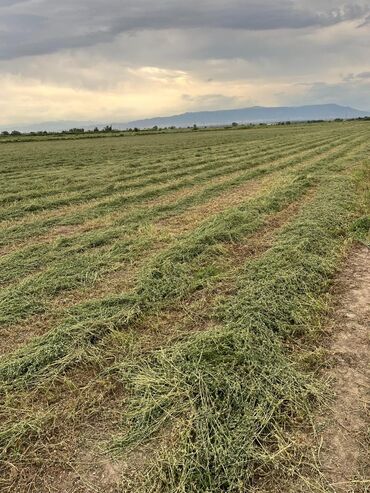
x,y
47,26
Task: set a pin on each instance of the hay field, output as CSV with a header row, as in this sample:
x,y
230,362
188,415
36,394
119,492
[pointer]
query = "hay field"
x,y
160,300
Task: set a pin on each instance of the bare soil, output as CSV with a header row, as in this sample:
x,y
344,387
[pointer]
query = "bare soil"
x,y
344,453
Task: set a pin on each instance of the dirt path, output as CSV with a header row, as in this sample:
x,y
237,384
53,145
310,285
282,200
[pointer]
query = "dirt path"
x,y
344,453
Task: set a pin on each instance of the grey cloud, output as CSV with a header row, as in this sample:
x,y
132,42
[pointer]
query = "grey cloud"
x,y
241,56
356,77
250,15
7,3
16,49
48,26
221,46
364,75
22,22
351,93
366,22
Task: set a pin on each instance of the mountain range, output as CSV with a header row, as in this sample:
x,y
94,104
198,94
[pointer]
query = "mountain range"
x,y
256,114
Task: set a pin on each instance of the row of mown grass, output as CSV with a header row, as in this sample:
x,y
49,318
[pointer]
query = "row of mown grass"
x,y
116,182
42,222
220,401
175,272
244,164
23,261
119,177
49,162
225,397
96,208
82,262
35,416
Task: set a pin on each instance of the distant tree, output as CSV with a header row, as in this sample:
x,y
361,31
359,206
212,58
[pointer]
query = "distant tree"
x,y
136,129
5,132
234,124
155,127
195,127
16,132
76,130
96,129
107,128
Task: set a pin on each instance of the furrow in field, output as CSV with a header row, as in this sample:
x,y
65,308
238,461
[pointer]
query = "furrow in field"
x,y
42,222
176,164
57,158
92,191
228,395
190,218
22,227
119,159
212,172
162,234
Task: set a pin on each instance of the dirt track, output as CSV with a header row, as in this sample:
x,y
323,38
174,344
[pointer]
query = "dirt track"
x,y
344,451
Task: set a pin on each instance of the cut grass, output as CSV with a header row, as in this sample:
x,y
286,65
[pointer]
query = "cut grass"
x,y
171,275
146,177
174,273
96,208
229,394
207,388
90,255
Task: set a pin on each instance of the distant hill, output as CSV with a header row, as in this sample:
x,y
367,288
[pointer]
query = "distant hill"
x,y
256,114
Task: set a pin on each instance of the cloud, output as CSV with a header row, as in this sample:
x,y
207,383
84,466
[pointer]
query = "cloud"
x,y
356,77
26,100
350,93
206,102
364,75
53,26
6,3
128,59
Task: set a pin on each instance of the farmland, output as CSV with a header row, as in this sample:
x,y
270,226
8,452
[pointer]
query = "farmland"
x,y
161,303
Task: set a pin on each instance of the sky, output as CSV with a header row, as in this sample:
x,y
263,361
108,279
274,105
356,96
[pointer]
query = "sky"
x,y
119,60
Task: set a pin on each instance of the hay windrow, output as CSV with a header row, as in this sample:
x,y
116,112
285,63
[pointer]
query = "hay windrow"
x,y
172,304
231,393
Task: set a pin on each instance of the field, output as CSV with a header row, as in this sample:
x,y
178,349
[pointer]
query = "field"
x,y
162,306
